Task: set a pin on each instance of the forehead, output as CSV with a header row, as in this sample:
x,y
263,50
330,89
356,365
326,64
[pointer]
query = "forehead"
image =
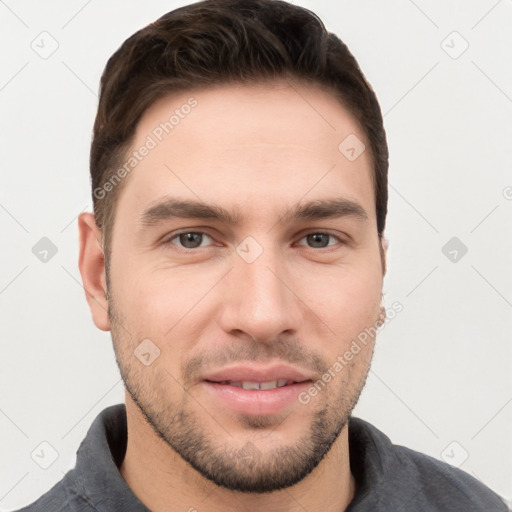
x,y
255,146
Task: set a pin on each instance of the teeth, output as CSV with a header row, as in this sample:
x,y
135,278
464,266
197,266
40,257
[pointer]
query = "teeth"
x,y
250,385
272,384
262,385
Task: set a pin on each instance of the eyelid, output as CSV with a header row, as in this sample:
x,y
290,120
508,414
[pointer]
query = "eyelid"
x,y
168,239
338,237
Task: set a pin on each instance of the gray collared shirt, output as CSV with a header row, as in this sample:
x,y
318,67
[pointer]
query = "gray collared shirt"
x,y
389,477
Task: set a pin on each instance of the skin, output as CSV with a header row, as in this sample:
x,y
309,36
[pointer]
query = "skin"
x,y
258,150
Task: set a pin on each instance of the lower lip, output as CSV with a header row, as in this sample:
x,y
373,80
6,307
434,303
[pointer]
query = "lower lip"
x,y
254,401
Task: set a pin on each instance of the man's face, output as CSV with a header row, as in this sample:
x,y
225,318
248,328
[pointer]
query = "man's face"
x,y
272,297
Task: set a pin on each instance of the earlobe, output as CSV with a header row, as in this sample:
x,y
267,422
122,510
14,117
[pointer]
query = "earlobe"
x,y
382,312
92,269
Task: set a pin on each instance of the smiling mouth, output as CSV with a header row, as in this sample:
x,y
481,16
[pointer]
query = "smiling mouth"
x,y
259,396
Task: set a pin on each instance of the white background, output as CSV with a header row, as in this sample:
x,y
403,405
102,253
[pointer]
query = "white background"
x,y
442,369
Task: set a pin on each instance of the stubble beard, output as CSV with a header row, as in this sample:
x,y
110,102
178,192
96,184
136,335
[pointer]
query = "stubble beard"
x,y
246,469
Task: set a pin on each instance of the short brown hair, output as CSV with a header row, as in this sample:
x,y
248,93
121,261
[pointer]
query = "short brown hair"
x,y
217,42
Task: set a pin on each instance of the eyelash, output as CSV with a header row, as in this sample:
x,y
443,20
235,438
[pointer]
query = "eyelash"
x,y
177,235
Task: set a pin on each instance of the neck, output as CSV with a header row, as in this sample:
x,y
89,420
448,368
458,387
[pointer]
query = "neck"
x,y
163,481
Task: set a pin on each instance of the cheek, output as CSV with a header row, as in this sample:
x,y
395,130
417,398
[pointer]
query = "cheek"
x,y
142,300
348,300
165,306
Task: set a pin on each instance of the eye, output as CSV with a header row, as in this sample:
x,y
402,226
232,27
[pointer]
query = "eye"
x,y
195,239
321,240
188,239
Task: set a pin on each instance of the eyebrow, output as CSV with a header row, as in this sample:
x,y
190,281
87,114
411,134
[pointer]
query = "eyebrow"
x,y
190,209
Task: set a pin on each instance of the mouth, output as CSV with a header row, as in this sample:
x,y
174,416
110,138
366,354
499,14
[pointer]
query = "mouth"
x,y
256,390
256,376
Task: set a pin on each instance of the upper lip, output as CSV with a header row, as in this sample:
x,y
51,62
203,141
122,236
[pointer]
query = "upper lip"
x,y
258,373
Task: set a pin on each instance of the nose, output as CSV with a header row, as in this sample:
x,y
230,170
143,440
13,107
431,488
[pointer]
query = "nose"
x,y
259,299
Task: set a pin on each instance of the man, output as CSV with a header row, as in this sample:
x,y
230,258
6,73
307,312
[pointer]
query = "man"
x,y
236,253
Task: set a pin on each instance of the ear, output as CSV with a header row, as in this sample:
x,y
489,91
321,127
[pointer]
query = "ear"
x,y
92,269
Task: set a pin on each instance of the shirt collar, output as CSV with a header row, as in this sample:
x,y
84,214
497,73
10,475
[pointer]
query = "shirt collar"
x,y
97,479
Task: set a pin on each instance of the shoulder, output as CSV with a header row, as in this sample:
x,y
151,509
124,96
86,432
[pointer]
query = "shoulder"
x,y
393,476
60,498
446,487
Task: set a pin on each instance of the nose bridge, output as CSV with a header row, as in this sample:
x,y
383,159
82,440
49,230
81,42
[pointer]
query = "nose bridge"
x,y
261,304
260,280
